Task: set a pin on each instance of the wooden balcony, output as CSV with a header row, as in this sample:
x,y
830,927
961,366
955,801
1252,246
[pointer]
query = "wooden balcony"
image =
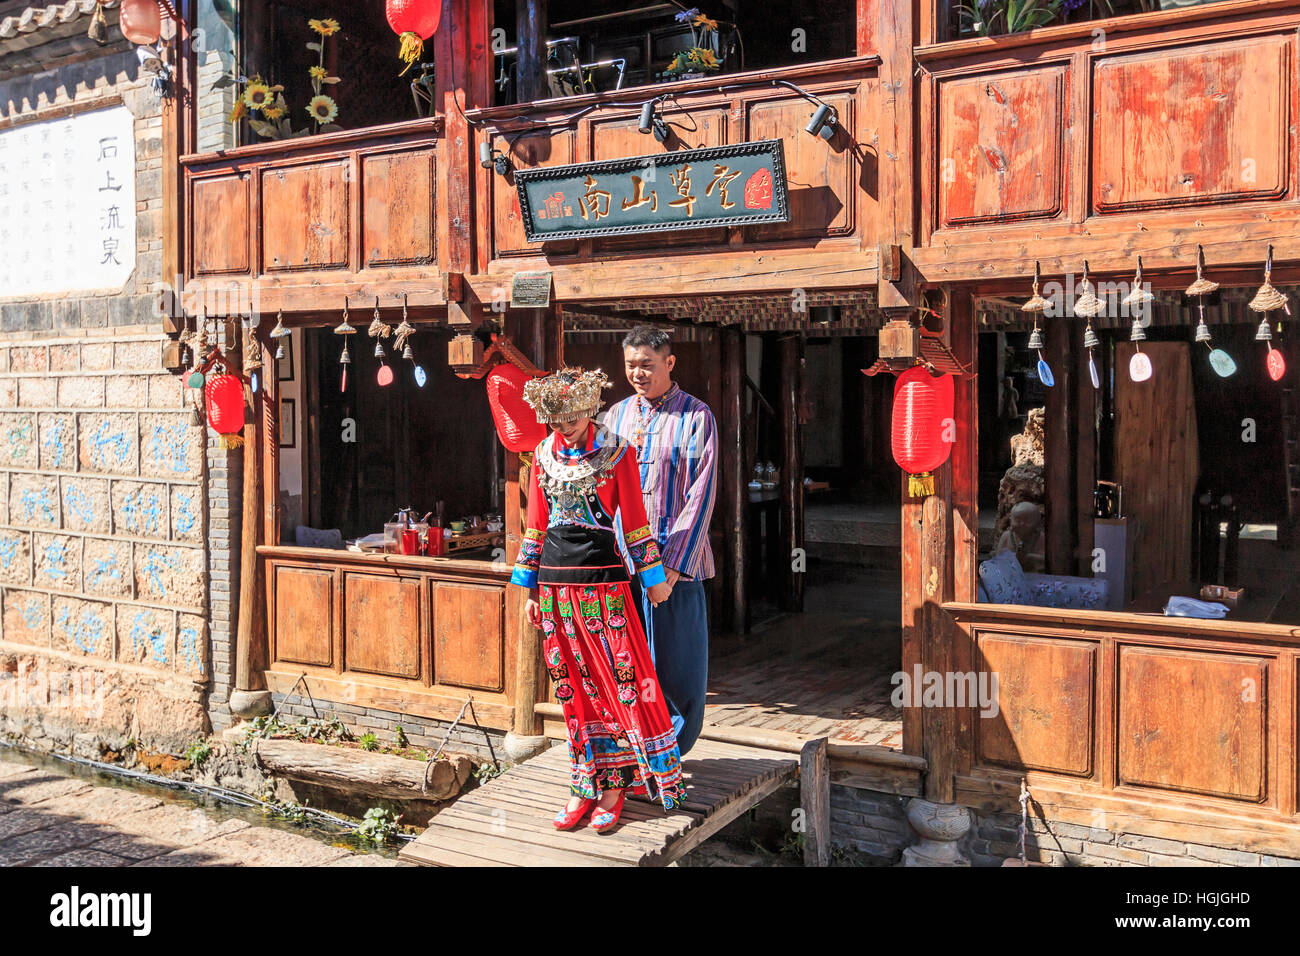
x,y
829,242
298,224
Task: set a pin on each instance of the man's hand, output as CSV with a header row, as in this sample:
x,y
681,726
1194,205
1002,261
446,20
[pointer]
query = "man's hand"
x,y
672,577
659,593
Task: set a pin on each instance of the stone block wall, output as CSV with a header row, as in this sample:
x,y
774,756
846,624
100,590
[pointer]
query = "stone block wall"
x,y
107,630
103,548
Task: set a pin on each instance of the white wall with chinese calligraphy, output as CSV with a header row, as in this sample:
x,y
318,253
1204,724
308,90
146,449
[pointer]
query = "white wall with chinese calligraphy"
x,y
67,204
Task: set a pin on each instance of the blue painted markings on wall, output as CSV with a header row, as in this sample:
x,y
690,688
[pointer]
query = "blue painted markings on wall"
x,y
155,563
79,503
54,444
56,553
32,501
104,568
145,634
188,638
105,442
171,445
32,613
142,512
87,631
8,550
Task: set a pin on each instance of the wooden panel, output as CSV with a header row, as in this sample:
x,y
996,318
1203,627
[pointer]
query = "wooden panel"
x,y
537,149
620,138
820,173
397,218
305,217
219,224
1045,704
1193,722
1207,124
468,636
1157,461
1000,147
381,624
304,616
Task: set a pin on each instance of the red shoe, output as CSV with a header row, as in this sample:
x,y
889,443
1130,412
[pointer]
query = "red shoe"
x,y
567,820
603,820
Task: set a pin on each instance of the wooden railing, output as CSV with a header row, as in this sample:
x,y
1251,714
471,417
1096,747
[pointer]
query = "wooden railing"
x,y
408,634
1104,711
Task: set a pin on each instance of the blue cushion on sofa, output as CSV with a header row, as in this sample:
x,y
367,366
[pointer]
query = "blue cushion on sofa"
x,y
1004,581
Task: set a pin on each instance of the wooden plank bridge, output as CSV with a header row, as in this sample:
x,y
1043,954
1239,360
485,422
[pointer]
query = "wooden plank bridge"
x,y
507,821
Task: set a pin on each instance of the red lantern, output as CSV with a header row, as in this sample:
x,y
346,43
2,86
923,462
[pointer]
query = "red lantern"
x,y
922,427
517,424
414,21
141,21
225,398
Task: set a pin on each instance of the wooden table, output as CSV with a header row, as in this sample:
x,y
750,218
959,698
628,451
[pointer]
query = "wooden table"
x,y
1253,606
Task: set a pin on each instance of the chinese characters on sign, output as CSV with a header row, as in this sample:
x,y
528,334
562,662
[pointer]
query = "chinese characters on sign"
x,y
67,204
736,185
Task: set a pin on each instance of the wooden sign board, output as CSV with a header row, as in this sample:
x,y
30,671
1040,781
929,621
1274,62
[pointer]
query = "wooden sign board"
x,y
738,185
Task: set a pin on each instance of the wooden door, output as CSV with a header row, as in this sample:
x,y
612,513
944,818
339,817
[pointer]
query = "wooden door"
x,y
1156,461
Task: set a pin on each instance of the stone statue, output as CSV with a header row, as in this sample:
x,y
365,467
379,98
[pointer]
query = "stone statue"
x,y
1025,537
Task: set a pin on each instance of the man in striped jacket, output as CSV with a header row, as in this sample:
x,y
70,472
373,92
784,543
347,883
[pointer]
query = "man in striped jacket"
x,y
676,441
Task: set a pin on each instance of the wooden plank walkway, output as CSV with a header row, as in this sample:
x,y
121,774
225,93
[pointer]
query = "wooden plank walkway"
x,y
507,821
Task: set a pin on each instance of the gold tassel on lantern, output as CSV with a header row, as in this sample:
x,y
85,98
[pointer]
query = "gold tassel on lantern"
x,y
920,486
411,51
230,442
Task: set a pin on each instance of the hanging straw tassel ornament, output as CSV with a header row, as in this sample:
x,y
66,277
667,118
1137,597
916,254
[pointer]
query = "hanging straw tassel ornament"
x,y
98,25
379,329
345,328
1036,303
1138,297
1088,305
404,331
1202,285
1267,298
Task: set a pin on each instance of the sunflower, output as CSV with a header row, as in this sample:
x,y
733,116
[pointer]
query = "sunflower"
x,y
702,21
707,57
318,72
322,109
257,95
326,28
238,112
273,113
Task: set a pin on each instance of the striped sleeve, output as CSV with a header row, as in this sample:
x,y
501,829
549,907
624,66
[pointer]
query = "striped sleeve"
x,y
530,548
688,538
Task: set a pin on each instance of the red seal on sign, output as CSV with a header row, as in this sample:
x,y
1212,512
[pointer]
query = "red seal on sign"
x,y
758,190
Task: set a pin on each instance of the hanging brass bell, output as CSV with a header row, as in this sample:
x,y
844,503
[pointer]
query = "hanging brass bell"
x,y
379,349
1138,334
279,351
345,358
1036,340
1090,339
407,353
1263,333
1202,331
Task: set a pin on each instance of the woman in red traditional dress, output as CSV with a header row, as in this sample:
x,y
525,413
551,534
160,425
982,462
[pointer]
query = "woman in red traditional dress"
x,y
620,735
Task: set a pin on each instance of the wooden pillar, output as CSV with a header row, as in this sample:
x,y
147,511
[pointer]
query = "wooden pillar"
x,y
792,516
734,485
963,340
897,151
530,38
1058,454
250,638
938,723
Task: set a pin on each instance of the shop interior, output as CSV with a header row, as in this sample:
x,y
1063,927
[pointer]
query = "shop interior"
x,y
1181,491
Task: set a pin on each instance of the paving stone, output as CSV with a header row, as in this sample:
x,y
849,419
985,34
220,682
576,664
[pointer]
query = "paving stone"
x,y
42,786
100,805
84,857
49,841
21,821
367,859
11,771
254,846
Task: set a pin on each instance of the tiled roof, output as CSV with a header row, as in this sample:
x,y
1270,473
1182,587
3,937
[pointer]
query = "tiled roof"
x,y
38,37
37,19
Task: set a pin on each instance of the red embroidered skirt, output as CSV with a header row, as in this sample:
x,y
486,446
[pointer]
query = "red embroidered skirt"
x,y
620,734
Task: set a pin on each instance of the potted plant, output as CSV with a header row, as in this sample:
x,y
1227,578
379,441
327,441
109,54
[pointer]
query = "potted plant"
x,y
264,105
702,57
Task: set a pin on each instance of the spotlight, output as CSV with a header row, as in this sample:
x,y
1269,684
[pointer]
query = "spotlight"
x,y
490,158
822,122
652,122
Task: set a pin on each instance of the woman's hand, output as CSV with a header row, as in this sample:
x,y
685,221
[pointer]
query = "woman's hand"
x,y
659,593
533,609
